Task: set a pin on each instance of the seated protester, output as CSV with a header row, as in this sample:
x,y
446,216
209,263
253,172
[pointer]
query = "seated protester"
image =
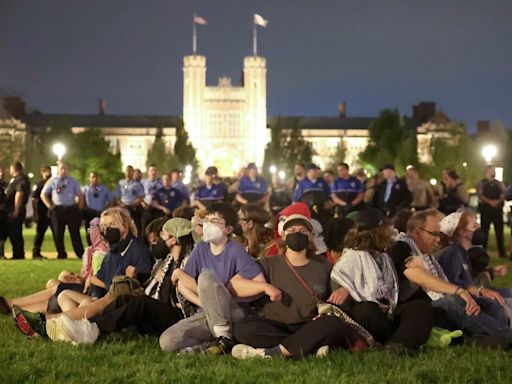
x,y
279,196
460,230
347,192
367,273
210,192
160,307
256,236
185,212
318,238
205,281
284,322
312,190
253,189
421,278
479,259
167,198
401,218
128,257
335,239
46,301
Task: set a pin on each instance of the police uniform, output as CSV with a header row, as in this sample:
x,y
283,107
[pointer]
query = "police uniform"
x,y
209,195
169,198
129,191
97,197
312,192
150,187
12,227
180,186
494,190
63,192
252,190
40,217
347,190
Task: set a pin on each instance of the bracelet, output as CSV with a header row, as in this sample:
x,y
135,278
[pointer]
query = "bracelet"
x,y
479,290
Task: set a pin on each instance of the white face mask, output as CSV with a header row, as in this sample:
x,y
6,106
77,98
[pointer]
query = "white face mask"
x,y
212,233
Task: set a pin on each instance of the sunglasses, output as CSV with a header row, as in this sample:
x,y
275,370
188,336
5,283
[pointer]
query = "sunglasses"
x,y
432,233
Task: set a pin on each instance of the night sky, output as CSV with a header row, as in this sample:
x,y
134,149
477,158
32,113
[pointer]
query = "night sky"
x,y
62,56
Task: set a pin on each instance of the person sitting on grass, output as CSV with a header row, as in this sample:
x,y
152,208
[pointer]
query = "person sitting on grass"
x,y
128,256
206,280
367,274
256,235
287,323
422,278
46,301
160,307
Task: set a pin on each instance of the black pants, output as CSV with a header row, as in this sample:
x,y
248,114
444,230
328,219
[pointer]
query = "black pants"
x,y
299,340
60,218
43,222
410,326
12,228
150,316
488,216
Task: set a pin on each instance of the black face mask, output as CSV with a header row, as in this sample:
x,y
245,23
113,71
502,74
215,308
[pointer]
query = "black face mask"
x,y
111,235
478,237
297,241
159,250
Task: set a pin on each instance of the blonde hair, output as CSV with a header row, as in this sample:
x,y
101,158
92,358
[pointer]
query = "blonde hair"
x,y
121,217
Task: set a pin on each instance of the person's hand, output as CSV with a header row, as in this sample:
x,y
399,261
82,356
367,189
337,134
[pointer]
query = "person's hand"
x,y
273,293
176,275
414,262
491,294
472,307
500,270
338,296
131,271
87,285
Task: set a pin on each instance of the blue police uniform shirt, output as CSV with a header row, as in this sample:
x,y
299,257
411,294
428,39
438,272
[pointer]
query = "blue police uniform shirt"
x,y
347,189
170,198
96,197
62,191
258,186
150,187
307,185
180,186
215,192
128,191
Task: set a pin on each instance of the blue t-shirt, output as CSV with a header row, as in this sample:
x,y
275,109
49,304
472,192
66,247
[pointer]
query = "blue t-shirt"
x,y
128,191
96,197
347,189
456,265
127,252
318,186
170,198
62,191
214,193
252,190
233,260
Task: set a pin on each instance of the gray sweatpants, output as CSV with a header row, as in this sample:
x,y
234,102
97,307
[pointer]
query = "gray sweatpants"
x,y
219,312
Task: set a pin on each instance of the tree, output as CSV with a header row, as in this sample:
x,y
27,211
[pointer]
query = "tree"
x,y
296,148
159,155
183,149
274,150
338,157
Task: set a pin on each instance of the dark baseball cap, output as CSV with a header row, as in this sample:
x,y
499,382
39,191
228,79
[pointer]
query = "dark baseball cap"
x,y
312,166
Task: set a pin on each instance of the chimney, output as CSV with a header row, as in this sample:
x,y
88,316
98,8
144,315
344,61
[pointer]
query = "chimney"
x,y
483,126
342,109
15,106
424,111
102,107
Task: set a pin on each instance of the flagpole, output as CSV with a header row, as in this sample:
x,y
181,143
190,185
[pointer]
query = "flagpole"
x,y
194,35
254,40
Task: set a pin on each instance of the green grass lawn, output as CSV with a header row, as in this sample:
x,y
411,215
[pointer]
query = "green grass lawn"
x,y
130,358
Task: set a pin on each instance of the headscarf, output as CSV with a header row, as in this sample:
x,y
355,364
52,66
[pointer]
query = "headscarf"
x,y
97,245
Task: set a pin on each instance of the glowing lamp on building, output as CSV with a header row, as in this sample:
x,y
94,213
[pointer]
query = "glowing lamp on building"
x,y
489,152
59,150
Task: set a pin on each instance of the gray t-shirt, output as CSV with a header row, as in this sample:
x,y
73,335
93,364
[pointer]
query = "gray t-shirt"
x,y
296,306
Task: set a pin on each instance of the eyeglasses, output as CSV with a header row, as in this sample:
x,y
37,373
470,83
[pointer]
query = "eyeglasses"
x,y
432,233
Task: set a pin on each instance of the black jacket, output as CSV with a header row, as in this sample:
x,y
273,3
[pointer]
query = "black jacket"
x,y
399,198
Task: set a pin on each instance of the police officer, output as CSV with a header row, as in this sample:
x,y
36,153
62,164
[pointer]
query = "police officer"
x,y
167,198
178,184
97,198
13,208
151,185
210,192
130,194
252,188
491,194
40,212
313,189
60,195
347,192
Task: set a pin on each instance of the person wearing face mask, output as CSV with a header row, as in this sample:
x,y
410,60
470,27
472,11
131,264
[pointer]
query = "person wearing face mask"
x,y
287,325
207,281
127,256
160,307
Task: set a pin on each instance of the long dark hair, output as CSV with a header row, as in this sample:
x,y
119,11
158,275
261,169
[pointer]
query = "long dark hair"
x,y
187,245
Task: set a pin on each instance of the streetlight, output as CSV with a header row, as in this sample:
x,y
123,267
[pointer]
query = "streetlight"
x,y
273,169
282,175
59,150
488,152
433,182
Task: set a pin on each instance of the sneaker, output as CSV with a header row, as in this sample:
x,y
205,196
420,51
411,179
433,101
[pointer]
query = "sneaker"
x,y
221,346
80,331
56,331
322,351
199,349
30,323
244,352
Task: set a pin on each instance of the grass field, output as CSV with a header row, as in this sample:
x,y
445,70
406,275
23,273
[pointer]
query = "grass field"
x,y
130,358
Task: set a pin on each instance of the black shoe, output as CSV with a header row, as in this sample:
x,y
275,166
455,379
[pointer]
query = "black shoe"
x,y
38,256
221,346
4,306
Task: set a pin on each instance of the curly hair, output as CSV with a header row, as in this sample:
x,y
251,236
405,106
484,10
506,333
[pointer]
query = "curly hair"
x,y
121,217
377,239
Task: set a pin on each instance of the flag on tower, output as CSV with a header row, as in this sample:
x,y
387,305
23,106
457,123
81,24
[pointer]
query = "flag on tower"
x,y
200,20
259,20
